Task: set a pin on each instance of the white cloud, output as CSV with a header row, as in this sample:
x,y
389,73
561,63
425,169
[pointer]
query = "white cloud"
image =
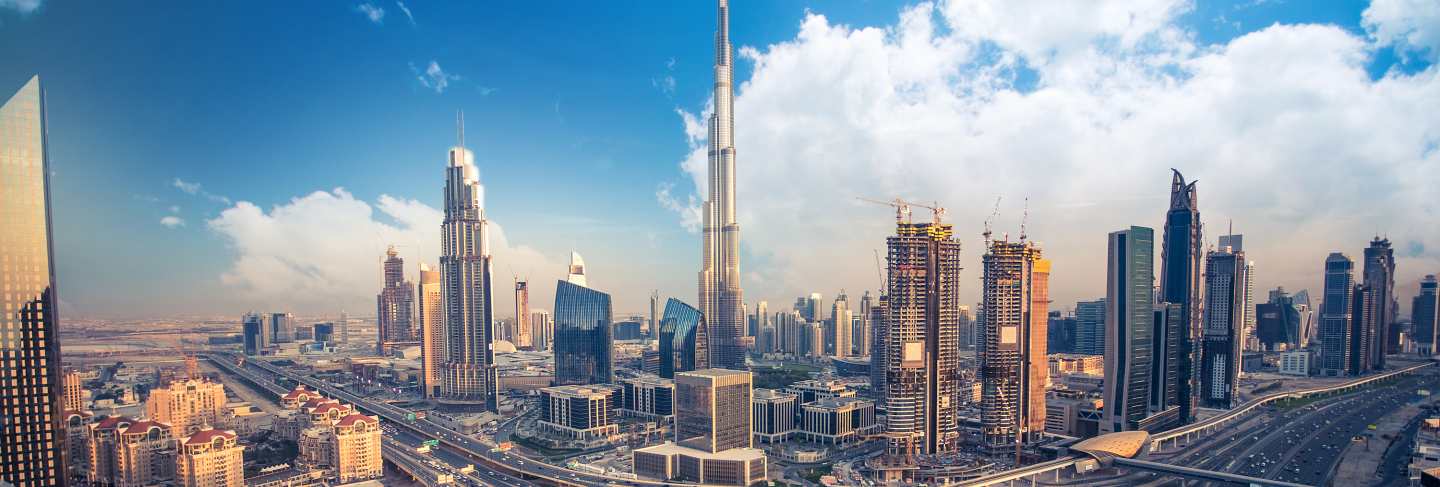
x,y
372,12
174,208
321,251
172,221
405,10
195,189
1412,25
22,6
1283,127
434,77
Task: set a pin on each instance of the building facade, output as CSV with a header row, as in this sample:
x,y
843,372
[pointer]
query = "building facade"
x,y
211,458
187,405
1334,330
581,413
648,397
1180,273
1090,327
1425,316
395,307
921,342
1223,327
1379,277
1013,360
144,455
836,421
431,315
583,342
684,345
721,297
1129,325
469,373
713,441
774,414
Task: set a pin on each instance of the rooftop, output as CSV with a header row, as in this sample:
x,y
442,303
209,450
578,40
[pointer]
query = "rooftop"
x,y
734,454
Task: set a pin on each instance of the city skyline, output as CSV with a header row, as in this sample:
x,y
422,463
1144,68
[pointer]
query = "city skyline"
x,y
214,263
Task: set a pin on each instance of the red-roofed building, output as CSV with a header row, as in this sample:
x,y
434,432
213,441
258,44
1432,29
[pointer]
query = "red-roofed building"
x,y
348,446
104,438
145,454
77,444
211,458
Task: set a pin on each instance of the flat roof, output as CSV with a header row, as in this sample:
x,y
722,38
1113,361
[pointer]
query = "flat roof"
x,y
733,454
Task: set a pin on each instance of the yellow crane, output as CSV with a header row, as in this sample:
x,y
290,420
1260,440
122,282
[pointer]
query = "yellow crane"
x,y
902,208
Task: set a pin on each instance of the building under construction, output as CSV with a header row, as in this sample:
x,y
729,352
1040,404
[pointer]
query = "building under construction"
x,y
1011,345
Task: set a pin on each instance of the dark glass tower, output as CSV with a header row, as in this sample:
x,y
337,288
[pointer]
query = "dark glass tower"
x,y
30,446
1380,278
683,344
1335,316
1224,318
582,336
1129,325
1425,315
1180,284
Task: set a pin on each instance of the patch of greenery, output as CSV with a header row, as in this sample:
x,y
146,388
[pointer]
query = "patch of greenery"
x,y
814,474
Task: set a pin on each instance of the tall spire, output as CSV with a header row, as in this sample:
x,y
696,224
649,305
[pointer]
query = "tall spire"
x,y
460,126
720,292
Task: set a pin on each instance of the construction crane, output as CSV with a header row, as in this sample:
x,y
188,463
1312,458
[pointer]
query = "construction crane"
x,y
1024,217
902,208
878,271
991,219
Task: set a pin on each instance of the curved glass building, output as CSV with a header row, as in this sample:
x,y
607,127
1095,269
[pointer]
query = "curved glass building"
x,y
684,345
582,336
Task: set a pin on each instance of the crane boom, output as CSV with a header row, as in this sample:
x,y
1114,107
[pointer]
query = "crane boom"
x,y
902,208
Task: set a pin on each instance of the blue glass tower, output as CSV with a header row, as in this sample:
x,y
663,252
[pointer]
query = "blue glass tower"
x,y
582,336
1180,284
684,345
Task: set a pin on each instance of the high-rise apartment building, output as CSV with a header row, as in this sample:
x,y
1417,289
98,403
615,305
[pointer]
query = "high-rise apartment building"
x,y
1363,335
839,340
922,335
30,441
1014,365
879,344
1180,272
144,454
395,307
77,445
428,311
683,344
254,334
211,458
542,329
1334,330
720,292
74,392
524,334
1090,327
469,373
1129,325
187,405
1425,316
583,341
1249,340
861,334
356,440
282,328
1379,276
1224,320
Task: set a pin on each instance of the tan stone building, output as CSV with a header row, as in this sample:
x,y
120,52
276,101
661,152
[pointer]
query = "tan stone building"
x,y
187,405
211,458
77,444
144,454
357,448
73,391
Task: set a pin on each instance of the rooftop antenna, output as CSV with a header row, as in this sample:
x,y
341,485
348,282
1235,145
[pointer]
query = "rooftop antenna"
x,y
1024,217
460,126
991,218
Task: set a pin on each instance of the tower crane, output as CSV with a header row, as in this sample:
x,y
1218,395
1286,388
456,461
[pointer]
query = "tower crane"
x,y
991,219
902,208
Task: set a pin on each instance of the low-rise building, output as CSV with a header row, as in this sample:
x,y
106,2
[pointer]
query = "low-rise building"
x,y
837,420
1295,363
1072,413
773,415
1071,363
668,461
584,413
815,389
648,397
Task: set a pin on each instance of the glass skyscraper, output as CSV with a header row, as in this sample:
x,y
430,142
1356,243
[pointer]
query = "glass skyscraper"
x,y
1335,315
582,335
1224,320
1180,284
30,446
1129,325
683,343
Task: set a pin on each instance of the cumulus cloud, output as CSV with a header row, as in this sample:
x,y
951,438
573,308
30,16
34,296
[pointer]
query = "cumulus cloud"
x,y
1409,25
372,12
433,77
22,6
322,250
195,189
1285,130
172,221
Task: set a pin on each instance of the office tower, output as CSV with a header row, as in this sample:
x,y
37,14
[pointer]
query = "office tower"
x,y
187,406
922,335
1425,316
344,323
1061,330
760,319
1236,243
1308,328
683,344
1334,329
712,408
1180,272
431,316
1013,362
967,328
862,333
1277,322
324,333
815,303
581,413
1129,326
524,334
720,292
469,372
543,329
1165,366
815,340
840,319
1363,336
145,454
575,273
1090,327
879,341
1223,322
649,397
356,447
1379,277
774,414
253,333
282,328
73,392
583,342
395,307
652,328
211,458
30,449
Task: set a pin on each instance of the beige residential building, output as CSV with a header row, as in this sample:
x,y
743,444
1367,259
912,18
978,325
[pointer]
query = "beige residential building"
x,y
357,448
77,445
432,330
144,454
104,439
187,405
211,458
73,391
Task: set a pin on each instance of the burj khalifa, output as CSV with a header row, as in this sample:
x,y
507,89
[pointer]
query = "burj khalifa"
x,y
720,294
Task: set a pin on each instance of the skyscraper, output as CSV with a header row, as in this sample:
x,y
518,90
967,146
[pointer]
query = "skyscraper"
x,y
712,409
720,293
524,336
1236,243
469,373
187,406
282,328
1278,322
1224,320
211,458
1363,335
583,341
1180,284
861,334
1165,367
1090,327
1129,325
252,329
1013,362
1334,332
575,273
840,319
395,307
542,326
683,344
432,327
30,441
1425,316
879,343
921,342
1380,278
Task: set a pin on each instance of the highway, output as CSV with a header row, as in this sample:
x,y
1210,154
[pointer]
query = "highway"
x,y
504,462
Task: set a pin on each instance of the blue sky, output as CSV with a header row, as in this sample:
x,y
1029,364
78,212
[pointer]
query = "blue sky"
x,y
571,109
